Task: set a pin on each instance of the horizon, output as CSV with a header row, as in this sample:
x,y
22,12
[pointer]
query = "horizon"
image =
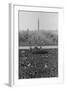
x,y
29,20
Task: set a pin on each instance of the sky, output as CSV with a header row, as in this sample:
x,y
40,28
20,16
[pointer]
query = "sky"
x,y
29,20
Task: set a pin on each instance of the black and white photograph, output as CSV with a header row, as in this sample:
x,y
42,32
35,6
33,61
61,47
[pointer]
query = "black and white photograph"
x,y
37,44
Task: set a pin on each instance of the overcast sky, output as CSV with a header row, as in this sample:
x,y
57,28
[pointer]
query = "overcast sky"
x,y
29,20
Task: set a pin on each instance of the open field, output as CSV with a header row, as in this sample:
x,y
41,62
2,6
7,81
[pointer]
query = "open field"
x,y
38,63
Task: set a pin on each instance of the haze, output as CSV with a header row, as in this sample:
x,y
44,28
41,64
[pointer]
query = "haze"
x,y
29,20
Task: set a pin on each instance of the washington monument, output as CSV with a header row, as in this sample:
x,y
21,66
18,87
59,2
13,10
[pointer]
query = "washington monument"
x,y
38,25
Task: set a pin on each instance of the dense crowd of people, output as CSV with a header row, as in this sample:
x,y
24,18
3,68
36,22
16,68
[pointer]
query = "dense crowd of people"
x,y
33,64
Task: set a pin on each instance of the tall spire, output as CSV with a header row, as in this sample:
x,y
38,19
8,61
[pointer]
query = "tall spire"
x,y
38,25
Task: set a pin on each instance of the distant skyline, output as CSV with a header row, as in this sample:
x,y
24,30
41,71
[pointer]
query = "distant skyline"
x,y
29,20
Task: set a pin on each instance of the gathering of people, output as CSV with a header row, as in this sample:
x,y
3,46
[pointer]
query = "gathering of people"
x,y
33,64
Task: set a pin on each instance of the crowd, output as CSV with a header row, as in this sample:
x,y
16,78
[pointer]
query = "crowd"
x,y
32,65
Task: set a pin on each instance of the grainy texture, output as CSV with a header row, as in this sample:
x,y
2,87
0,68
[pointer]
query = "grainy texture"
x,y
38,44
41,38
35,63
